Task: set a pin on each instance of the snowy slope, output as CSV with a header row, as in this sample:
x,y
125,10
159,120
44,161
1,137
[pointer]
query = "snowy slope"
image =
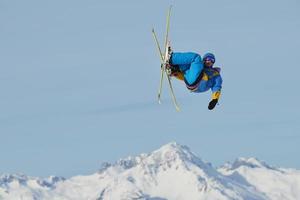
x,y
172,172
276,183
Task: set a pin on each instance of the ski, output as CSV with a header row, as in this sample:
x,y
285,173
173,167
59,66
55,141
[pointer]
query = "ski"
x,y
163,59
161,67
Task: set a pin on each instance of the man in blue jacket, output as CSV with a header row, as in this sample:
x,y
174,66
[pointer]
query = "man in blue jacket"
x,y
198,74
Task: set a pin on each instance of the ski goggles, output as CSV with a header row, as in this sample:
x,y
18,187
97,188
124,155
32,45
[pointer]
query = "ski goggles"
x,y
209,59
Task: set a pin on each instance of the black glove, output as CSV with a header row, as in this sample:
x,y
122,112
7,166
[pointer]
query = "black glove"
x,y
212,104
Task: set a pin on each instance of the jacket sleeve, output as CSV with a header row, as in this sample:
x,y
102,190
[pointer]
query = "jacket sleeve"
x,y
216,88
217,85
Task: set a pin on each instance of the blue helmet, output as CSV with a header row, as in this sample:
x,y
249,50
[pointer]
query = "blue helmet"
x,y
209,56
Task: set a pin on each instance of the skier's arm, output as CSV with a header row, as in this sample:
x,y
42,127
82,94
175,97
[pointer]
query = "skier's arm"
x,y
216,92
216,88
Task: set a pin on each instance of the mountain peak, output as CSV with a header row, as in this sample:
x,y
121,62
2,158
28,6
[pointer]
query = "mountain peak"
x,y
21,179
171,155
167,154
174,150
170,172
174,146
247,162
8,178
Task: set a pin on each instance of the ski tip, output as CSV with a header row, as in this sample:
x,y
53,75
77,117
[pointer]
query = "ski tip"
x,y
159,101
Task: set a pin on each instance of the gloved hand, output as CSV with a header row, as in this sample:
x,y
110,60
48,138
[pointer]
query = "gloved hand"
x,y
212,104
215,98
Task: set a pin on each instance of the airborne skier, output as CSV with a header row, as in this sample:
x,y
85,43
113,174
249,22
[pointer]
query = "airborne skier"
x,y
198,74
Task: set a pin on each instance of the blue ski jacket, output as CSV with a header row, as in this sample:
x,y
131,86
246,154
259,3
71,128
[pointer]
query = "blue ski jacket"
x,y
195,75
211,79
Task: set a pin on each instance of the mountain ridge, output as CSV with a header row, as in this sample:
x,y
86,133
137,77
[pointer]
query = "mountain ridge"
x,y
172,172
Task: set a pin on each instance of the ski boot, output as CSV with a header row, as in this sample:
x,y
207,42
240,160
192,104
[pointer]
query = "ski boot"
x,y
169,67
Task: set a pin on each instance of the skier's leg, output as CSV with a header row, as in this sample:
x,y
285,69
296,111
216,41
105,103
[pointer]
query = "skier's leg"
x,y
182,58
189,63
194,72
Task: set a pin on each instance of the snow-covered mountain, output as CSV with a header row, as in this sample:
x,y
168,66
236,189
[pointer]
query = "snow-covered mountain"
x,y
172,172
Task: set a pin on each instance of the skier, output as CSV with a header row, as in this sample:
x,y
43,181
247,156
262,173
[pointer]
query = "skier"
x,y
198,74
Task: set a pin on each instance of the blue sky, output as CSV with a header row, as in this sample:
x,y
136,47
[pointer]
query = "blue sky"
x,y
79,81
